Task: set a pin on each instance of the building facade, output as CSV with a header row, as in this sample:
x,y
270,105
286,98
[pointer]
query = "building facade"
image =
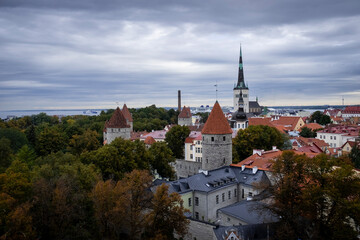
x,y
116,127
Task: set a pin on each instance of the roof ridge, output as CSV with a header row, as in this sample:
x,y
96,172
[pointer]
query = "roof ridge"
x,y
216,122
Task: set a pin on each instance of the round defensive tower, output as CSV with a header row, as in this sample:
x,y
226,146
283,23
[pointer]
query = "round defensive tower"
x,y
217,140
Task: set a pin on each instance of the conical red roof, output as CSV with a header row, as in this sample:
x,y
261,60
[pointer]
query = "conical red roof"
x,y
127,113
117,120
216,123
185,113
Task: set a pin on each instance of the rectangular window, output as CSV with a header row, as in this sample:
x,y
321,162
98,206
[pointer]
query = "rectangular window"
x,y
191,147
224,138
189,201
334,137
212,139
330,137
196,201
196,215
229,194
217,199
320,136
250,194
223,197
235,192
200,150
191,156
324,136
242,193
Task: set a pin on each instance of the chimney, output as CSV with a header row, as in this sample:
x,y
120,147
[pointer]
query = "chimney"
x,y
242,167
273,147
179,101
254,170
257,151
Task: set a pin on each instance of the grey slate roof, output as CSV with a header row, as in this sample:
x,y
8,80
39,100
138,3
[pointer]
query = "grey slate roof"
x,y
251,212
218,178
254,104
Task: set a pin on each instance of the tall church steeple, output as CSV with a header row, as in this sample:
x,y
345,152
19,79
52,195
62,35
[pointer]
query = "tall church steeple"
x,y
241,82
241,90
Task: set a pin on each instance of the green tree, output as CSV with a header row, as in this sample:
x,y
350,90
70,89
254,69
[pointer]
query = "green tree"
x,y
62,207
85,142
31,134
26,155
120,208
315,198
175,138
5,154
167,216
119,157
320,118
50,140
255,137
17,138
307,133
161,157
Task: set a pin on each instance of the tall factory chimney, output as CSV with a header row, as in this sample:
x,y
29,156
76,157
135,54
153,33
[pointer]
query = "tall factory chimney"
x,y
179,100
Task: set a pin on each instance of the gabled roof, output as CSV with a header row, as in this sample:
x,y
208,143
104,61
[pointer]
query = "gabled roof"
x,y
185,113
117,120
289,122
127,113
216,122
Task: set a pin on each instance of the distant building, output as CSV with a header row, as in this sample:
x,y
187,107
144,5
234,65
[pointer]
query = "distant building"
x,y
337,135
116,127
185,117
217,140
351,111
241,89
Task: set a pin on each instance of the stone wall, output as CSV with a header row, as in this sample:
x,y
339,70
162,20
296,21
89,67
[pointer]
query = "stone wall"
x,y
185,121
185,169
112,133
217,152
200,231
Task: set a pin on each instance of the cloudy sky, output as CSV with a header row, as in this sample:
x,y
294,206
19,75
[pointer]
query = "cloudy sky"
x,y
91,54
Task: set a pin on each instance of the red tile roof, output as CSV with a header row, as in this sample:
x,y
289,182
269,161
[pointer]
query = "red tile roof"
x,y
264,161
351,109
185,113
127,113
288,122
117,120
313,126
137,135
267,122
216,122
149,140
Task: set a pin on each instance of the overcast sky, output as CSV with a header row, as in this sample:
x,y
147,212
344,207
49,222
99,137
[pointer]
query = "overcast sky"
x,y
91,54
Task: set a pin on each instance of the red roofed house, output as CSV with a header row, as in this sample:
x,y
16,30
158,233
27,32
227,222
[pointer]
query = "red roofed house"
x,y
193,147
216,140
267,122
351,111
333,112
128,117
290,123
185,117
348,146
337,135
116,127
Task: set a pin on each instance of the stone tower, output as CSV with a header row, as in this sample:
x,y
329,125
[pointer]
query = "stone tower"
x,y
116,127
129,120
185,117
217,140
241,88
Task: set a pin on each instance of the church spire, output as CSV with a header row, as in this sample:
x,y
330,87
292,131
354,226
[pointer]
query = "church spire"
x,y
241,81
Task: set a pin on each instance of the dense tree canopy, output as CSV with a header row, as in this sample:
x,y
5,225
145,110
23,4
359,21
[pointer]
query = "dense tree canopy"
x,y
175,138
307,133
315,198
255,137
320,118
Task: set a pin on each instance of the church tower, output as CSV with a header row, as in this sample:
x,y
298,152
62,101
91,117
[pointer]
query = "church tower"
x,y
241,89
217,140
